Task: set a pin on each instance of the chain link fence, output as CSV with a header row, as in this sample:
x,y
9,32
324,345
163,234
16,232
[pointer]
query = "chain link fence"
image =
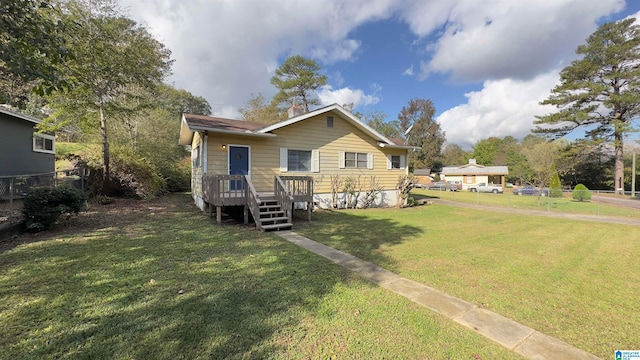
x,y
591,202
14,188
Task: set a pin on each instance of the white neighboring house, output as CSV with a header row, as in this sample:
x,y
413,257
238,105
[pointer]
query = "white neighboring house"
x,y
473,173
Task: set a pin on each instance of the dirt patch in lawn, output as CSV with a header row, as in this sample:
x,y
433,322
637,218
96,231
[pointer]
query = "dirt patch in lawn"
x,y
95,216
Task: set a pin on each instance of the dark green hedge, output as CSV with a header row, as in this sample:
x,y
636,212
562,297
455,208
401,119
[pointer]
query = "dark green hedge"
x,y
43,207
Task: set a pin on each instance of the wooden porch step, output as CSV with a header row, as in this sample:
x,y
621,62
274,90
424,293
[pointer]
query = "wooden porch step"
x,y
281,226
280,218
267,208
271,213
269,203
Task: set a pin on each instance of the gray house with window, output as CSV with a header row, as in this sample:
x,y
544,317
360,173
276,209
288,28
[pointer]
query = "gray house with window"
x,y
22,150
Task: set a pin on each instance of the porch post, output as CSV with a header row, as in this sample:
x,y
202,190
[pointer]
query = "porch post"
x,y
219,215
246,214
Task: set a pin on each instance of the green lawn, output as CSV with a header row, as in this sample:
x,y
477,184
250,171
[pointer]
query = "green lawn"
x,y
574,280
161,281
507,200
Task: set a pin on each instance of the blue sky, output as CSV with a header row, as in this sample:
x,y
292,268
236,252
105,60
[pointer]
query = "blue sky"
x,y
486,65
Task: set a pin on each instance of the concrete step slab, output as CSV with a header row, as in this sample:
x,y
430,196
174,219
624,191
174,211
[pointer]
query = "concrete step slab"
x,y
496,327
539,346
442,303
405,287
376,274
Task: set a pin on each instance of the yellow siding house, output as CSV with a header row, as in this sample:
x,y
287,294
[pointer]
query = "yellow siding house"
x,y
325,145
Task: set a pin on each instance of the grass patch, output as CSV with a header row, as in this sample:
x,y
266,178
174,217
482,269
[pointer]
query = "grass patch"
x,y
563,204
158,280
574,280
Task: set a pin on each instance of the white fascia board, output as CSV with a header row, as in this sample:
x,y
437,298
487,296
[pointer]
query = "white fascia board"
x,y
394,146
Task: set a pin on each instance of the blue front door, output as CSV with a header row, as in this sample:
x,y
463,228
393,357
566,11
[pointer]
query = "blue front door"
x,y
238,165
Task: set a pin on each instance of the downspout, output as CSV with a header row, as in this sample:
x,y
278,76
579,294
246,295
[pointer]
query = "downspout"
x,y
406,163
205,157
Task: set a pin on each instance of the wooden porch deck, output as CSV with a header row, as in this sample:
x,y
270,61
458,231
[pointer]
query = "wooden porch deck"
x,y
237,190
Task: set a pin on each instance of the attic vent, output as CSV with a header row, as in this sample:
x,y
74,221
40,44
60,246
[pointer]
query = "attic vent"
x,y
329,121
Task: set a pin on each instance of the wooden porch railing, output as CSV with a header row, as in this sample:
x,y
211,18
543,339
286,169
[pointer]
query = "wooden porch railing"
x,y
238,190
301,190
300,187
224,190
284,198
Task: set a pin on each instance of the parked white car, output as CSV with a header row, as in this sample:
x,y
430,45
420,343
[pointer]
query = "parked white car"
x,y
483,187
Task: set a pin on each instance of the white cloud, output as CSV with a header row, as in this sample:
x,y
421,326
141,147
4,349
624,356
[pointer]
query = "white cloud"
x,y
227,50
338,51
346,95
501,108
337,78
496,39
228,112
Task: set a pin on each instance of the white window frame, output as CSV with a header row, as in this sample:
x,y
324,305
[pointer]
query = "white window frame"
x,y
284,160
390,162
342,160
44,138
196,158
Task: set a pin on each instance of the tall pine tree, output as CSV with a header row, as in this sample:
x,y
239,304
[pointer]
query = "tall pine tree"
x,y
600,91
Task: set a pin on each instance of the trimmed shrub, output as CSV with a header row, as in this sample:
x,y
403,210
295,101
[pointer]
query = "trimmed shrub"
x,y
411,201
581,193
43,206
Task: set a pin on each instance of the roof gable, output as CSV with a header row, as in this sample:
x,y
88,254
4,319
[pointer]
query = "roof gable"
x,y
192,123
334,107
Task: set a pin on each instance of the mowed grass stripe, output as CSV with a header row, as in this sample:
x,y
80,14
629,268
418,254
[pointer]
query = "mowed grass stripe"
x,y
573,280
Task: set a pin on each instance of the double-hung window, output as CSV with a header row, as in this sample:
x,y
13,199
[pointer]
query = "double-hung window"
x,y
395,162
297,160
356,160
44,143
195,157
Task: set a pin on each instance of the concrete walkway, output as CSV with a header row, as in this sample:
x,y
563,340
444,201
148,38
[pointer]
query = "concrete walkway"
x,y
508,333
554,214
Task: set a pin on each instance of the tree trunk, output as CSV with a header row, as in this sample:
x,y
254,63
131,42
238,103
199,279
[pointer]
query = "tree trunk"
x,y
106,170
619,167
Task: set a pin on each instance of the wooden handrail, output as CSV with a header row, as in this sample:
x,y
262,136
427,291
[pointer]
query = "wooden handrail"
x,y
250,186
283,196
253,201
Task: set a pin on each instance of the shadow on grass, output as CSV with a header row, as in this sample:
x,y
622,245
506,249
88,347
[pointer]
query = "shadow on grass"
x,y
361,233
160,281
